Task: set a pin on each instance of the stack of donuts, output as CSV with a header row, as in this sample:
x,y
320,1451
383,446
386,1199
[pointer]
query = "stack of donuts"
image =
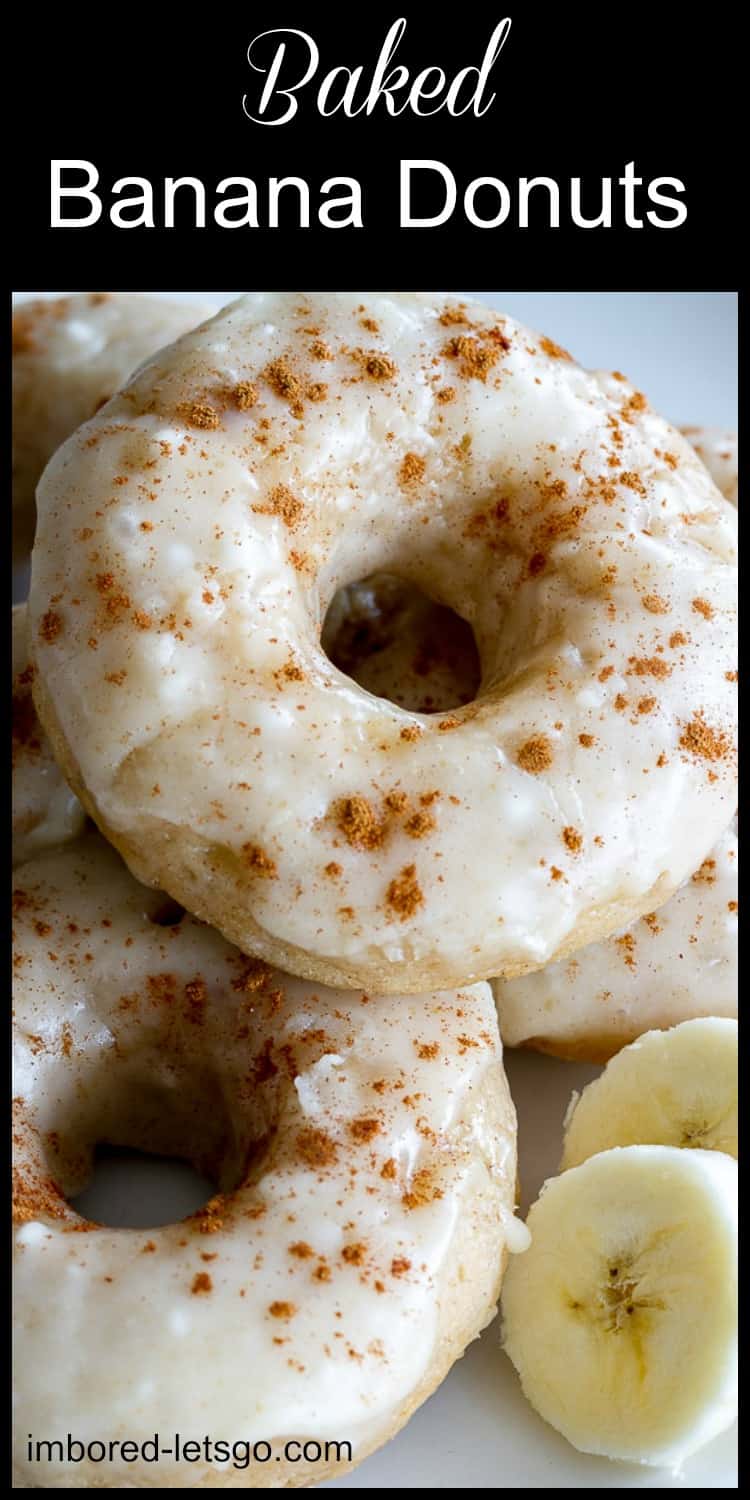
x,y
374,699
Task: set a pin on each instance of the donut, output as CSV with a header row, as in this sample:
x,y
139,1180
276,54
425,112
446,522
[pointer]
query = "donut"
x,y
676,964
70,354
363,1151
190,543
718,450
45,811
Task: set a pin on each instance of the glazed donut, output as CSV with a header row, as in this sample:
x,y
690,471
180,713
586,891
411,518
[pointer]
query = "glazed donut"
x,y
70,354
45,811
191,540
718,450
364,1154
675,964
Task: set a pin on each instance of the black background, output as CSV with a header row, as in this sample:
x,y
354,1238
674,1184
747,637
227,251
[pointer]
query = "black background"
x,y
578,95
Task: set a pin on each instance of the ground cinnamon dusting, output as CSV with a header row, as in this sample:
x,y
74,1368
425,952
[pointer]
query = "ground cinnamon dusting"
x,y
259,862
202,1284
535,755
37,1198
301,1250
419,824
476,358
285,384
282,503
316,1148
702,607
374,364
357,820
587,740
285,1310
649,666
553,350
411,470
199,414
400,1265
698,738
50,626
572,840
422,1190
404,894
363,1130
245,395
655,604
453,315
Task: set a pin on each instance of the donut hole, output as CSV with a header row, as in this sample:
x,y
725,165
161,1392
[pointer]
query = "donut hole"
x,y
395,641
158,1147
137,1190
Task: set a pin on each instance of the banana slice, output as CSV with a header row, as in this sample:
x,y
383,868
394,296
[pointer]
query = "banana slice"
x,y
621,1319
670,1088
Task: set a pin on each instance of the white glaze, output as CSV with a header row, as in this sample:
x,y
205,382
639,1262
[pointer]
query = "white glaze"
x,y
719,451
70,354
115,1047
211,720
45,811
679,963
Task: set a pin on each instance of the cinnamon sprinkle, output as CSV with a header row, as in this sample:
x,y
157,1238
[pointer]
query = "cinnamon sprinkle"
x,y
404,894
553,350
259,862
535,755
411,470
282,503
698,738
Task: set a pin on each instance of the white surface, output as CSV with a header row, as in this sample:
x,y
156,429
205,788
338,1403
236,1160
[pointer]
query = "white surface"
x,y
477,1431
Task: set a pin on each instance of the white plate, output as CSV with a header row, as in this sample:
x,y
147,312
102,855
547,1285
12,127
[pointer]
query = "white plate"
x,y
478,1431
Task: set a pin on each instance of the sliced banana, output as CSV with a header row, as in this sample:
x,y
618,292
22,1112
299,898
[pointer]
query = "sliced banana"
x,y
670,1088
621,1319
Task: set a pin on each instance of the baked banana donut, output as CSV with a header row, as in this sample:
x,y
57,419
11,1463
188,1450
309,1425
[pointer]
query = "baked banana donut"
x,y
70,354
191,540
675,964
363,1150
45,812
